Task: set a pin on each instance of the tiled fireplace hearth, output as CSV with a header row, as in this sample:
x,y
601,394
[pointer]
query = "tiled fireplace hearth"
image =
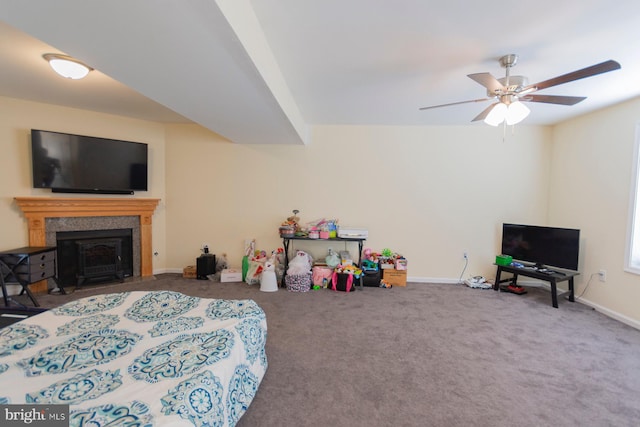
x,y
46,216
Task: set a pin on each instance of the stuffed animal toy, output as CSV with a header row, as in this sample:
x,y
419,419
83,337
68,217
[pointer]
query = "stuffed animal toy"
x,y
367,254
221,263
293,221
349,269
301,264
385,284
277,256
332,259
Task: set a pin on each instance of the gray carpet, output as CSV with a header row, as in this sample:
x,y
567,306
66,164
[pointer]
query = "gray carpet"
x,y
430,355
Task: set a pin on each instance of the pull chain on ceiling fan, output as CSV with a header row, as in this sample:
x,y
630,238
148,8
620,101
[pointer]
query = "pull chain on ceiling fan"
x,y
512,91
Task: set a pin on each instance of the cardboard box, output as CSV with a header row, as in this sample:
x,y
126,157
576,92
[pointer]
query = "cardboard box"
x,y
190,272
395,277
231,275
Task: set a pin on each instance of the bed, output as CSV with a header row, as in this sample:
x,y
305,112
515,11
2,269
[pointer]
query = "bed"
x,y
138,358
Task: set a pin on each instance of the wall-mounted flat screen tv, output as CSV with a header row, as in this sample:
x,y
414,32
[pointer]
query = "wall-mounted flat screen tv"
x,y
542,246
68,163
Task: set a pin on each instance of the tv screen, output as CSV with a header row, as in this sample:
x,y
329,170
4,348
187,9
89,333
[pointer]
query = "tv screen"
x,y
543,246
86,164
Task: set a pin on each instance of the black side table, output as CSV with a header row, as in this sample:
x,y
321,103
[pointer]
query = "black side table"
x,y
25,266
553,277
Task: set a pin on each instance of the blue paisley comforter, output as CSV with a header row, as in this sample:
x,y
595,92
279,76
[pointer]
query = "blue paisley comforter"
x,y
139,359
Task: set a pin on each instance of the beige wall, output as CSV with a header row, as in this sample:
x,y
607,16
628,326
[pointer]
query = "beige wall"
x,y
427,193
592,178
17,118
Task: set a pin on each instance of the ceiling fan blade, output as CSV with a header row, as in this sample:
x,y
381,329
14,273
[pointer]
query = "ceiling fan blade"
x,y
454,103
488,81
484,112
593,70
554,99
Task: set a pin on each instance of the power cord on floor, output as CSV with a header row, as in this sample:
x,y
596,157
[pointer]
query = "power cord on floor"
x,y
587,285
466,261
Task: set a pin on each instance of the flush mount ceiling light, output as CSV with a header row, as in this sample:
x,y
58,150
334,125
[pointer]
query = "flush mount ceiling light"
x,y
67,66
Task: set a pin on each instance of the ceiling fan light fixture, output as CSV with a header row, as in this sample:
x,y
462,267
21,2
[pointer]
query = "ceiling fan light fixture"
x,y
508,90
497,114
516,112
67,66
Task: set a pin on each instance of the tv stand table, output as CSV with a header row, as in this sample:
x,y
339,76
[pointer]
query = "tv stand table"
x,y
553,277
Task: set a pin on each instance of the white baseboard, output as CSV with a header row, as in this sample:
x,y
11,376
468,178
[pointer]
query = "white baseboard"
x,y
613,314
433,280
167,270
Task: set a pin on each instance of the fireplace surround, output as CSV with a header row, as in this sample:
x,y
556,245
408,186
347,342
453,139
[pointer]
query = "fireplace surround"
x,y
38,209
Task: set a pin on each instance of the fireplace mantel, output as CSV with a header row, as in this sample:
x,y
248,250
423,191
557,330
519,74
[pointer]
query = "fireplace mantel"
x,y
36,209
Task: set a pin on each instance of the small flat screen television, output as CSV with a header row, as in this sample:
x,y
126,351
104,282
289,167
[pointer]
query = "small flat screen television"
x,y
542,246
68,163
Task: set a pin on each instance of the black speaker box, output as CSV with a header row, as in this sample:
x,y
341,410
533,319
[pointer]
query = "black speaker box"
x,y
205,265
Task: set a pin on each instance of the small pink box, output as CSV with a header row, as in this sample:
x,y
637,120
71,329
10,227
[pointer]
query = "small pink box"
x,y
324,234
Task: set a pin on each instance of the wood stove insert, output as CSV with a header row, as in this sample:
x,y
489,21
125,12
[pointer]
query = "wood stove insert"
x,y
94,256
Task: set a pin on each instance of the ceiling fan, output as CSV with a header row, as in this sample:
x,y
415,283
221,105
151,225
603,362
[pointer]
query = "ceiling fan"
x,y
510,91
